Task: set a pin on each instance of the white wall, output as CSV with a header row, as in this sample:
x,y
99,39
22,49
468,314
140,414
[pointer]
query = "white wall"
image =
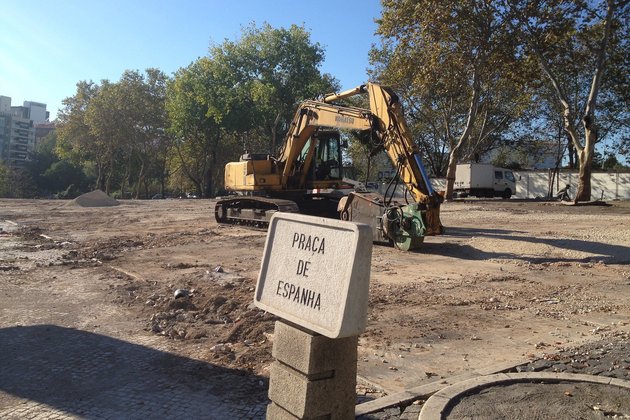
x,y
37,111
613,186
534,184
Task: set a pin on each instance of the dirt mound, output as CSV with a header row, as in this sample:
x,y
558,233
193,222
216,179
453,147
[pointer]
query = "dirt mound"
x,y
216,310
96,198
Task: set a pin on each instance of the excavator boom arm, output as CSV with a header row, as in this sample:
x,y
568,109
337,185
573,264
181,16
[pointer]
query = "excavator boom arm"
x,y
395,137
397,142
312,115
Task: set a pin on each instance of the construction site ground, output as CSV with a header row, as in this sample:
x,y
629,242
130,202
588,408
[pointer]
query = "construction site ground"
x,y
510,281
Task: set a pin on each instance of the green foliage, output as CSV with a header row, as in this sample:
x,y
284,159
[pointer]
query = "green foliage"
x,y
62,174
17,183
146,131
75,142
581,50
623,145
459,73
41,159
476,73
196,113
69,193
4,180
563,39
241,96
117,131
269,71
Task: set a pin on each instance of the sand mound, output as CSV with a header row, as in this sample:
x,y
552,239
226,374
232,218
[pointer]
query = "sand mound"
x,y
96,198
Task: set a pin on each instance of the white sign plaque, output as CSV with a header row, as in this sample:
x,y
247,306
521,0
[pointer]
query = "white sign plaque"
x,y
315,272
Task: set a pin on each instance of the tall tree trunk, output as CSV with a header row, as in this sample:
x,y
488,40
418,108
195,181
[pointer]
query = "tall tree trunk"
x,y
108,179
209,183
274,134
454,155
123,184
571,152
584,152
585,158
198,187
140,179
100,179
185,167
453,160
555,173
209,174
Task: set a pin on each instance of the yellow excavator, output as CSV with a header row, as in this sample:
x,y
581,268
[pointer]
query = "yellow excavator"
x,y
307,176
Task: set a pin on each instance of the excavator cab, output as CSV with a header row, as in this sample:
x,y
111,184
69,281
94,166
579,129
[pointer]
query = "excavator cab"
x,y
318,164
327,157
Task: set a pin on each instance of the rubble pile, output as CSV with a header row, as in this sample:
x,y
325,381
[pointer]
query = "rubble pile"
x,y
215,307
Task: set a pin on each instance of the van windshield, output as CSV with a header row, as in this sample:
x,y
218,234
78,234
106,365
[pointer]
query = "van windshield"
x,y
510,176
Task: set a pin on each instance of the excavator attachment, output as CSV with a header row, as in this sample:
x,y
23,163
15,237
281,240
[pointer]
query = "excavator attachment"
x,y
404,226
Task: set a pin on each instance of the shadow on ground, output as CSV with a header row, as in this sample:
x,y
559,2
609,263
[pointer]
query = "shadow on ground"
x,y
607,253
95,376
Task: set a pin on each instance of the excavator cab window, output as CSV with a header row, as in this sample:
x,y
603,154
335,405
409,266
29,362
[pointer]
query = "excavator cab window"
x,y
301,159
328,157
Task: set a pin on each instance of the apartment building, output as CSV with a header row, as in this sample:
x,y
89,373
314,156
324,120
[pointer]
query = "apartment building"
x,y
17,130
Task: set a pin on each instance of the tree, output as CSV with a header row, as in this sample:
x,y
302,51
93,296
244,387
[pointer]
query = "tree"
x,y
284,73
581,48
119,129
41,159
18,183
128,118
4,180
624,147
198,103
242,95
75,140
157,142
61,174
277,68
454,64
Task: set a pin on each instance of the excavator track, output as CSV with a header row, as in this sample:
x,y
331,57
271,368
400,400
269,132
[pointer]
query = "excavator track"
x,y
251,211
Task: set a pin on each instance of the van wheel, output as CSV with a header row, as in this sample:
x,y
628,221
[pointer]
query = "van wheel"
x,y
507,193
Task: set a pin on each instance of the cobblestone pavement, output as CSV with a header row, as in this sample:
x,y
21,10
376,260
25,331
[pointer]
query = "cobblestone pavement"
x,y
609,357
52,372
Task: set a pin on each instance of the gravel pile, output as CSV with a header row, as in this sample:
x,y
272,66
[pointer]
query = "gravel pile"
x,y
96,198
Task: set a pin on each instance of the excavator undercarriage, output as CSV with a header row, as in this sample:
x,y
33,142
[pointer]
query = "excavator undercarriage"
x,y
251,211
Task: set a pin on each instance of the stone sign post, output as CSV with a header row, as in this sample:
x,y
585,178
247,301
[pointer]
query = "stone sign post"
x,y
315,276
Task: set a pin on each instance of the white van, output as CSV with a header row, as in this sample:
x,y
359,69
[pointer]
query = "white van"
x,y
484,180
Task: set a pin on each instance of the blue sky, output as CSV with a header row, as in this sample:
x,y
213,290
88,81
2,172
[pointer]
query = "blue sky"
x,y
46,47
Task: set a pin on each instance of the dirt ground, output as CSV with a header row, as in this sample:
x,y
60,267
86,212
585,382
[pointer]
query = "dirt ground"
x,y
509,281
